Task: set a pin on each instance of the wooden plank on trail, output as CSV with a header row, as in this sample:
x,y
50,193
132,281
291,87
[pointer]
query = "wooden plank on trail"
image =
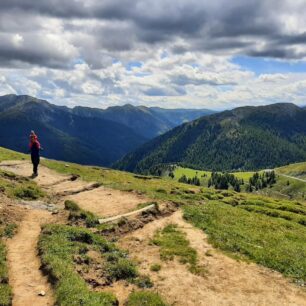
x,y
135,212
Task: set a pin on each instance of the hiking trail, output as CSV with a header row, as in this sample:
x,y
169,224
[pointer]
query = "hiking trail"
x,y
25,276
228,281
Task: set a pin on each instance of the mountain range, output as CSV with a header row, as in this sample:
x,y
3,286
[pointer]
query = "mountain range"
x,y
245,138
81,134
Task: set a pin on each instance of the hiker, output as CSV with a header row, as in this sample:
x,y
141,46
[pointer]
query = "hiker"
x,y
34,149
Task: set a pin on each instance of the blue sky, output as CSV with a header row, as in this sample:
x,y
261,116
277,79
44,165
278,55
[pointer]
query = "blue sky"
x,y
268,65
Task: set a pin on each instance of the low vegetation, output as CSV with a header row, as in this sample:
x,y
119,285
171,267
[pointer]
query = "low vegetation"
x,y
174,244
58,246
14,186
6,154
296,170
77,214
145,298
155,267
268,232
5,289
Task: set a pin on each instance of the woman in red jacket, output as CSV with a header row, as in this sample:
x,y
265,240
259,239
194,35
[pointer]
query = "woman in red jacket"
x,y
34,148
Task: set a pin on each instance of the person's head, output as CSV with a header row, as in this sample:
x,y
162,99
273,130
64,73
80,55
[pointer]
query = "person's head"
x,y
33,138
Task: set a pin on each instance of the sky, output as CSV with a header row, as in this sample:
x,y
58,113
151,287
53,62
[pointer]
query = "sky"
x,y
174,54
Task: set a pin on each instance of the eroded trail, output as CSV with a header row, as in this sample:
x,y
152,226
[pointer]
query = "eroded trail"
x,y
103,201
25,276
228,281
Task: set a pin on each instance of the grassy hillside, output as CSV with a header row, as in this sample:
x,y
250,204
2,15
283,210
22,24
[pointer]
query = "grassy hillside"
x,y
296,170
265,230
268,231
205,175
284,188
246,138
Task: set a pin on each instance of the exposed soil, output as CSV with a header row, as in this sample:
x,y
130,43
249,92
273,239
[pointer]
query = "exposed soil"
x,y
102,201
228,282
106,202
25,276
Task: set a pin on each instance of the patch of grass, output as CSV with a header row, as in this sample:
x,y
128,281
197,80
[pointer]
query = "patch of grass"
x,y
273,242
118,267
6,154
28,192
71,205
6,295
145,298
9,230
155,267
123,181
5,289
296,170
76,213
173,243
58,244
15,186
143,282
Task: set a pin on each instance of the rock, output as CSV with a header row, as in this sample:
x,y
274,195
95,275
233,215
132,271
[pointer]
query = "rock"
x,y
55,212
42,293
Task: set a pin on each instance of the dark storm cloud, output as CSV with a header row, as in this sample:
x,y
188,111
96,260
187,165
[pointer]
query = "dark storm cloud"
x,y
251,27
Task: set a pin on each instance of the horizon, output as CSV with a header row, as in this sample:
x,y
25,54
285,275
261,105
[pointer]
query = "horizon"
x,y
154,106
188,55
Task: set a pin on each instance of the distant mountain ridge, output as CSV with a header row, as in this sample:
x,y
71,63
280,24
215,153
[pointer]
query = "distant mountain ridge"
x,y
148,121
82,135
245,138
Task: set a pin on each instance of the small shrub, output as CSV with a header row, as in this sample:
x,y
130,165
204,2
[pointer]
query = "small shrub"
x,y
145,298
71,205
10,230
160,190
143,282
121,269
155,267
76,213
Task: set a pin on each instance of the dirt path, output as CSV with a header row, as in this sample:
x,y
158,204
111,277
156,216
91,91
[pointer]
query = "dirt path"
x,y
24,275
291,177
104,202
228,282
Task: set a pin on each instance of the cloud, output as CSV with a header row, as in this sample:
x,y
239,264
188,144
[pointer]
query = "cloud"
x,y
76,51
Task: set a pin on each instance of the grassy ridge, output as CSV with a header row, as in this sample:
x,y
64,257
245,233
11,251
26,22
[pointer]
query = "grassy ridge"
x,y
297,170
265,230
268,231
6,154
